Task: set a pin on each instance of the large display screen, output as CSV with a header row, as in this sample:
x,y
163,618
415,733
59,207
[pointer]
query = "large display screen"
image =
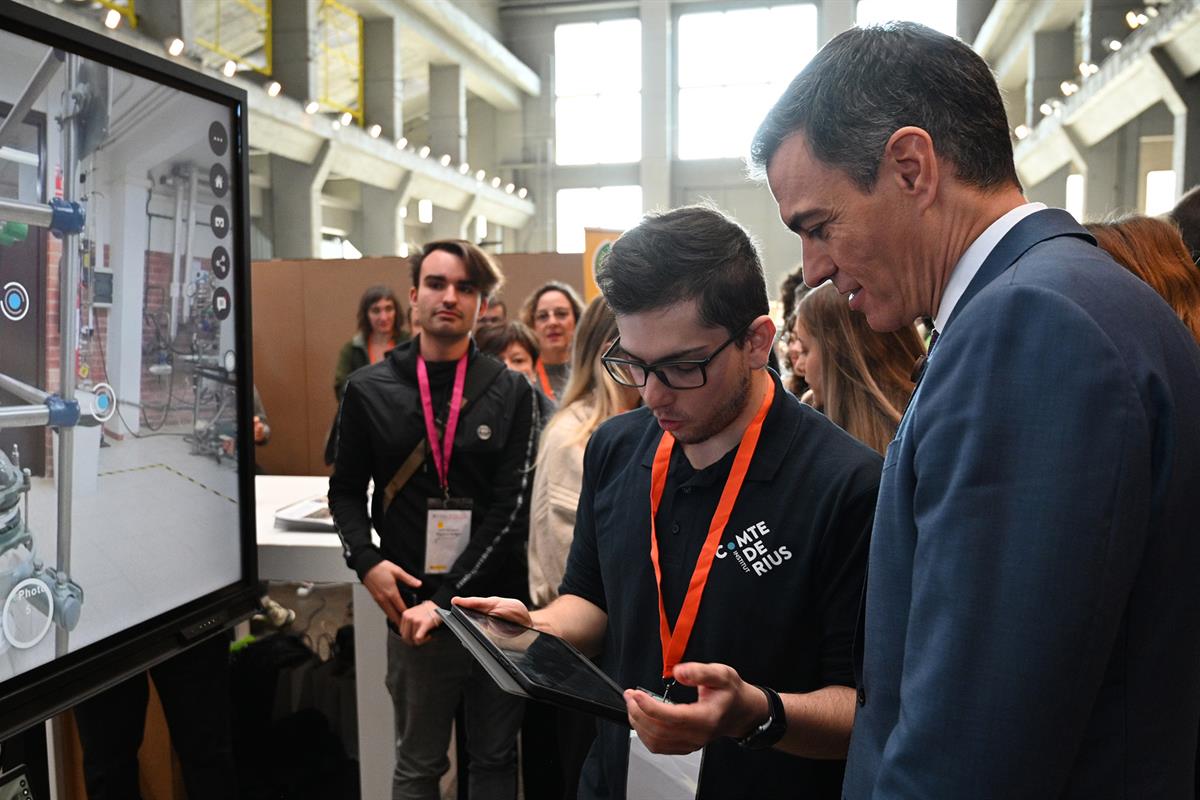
x,y
125,481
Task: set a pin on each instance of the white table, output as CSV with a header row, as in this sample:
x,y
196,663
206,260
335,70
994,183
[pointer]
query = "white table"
x,y
301,556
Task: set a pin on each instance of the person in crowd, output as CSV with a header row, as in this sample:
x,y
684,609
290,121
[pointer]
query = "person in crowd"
x,y
557,740
449,438
552,311
860,379
1021,637
1153,250
497,314
512,343
717,566
379,330
790,292
1186,216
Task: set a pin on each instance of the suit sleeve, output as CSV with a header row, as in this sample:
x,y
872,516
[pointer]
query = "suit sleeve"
x,y
507,517
348,484
1032,470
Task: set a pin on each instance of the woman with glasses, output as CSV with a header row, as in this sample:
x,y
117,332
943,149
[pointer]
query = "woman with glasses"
x,y
590,397
552,311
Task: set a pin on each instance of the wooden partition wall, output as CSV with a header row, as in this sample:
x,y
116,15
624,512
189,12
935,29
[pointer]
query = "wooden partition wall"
x,y
304,312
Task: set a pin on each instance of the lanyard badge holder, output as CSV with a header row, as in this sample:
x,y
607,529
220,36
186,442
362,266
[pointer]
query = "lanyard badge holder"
x,y
448,519
675,777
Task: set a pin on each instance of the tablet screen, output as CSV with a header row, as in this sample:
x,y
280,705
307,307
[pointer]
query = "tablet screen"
x,y
547,661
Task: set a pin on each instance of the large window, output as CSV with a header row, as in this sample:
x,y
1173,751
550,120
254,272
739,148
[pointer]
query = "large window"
x,y
941,15
733,65
614,207
598,92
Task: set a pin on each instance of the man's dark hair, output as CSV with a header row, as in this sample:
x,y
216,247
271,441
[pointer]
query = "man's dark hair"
x,y
495,339
694,252
1186,216
867,83
483,270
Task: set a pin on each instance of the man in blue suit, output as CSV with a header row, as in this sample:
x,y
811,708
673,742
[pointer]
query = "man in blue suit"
x,y
1032,616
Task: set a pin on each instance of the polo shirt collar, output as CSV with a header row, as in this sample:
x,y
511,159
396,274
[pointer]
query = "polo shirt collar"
x,y
773,443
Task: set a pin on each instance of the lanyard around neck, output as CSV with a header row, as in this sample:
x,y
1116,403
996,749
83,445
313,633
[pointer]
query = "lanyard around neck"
x,y
675,642
442,449
544,379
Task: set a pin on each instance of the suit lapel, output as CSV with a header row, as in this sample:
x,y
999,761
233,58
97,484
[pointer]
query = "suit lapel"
x,y
1037,227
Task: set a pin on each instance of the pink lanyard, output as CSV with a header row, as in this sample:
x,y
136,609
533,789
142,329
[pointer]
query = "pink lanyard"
x,y
443,449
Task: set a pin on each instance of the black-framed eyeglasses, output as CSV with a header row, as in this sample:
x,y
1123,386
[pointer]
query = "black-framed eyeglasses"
x,y
675,374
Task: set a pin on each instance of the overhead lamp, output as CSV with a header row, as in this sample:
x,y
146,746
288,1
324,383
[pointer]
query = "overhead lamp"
x,y
510,188
496,182
1151,11
230,69
175,46
1069,87
401,143
1086,69
312,107
1112,44
112,19
445,159
464,168
1135,19
480,175
522,193
1046,109
347,118
274,88
375,130
1021,131
336,124
424,152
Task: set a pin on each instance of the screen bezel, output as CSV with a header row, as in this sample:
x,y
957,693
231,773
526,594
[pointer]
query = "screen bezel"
x,y
35,695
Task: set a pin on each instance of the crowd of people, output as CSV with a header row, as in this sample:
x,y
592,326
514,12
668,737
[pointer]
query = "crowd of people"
x,y
947,551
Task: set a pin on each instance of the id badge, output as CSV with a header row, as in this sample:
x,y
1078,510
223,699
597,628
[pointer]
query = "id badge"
x,y
447,531
657,777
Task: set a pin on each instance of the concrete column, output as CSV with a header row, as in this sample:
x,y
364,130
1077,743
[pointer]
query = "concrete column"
x,y
127,257
447,111
382,225
657,130
165,19
1051,61
1052,191
383,91
1102,181
448,224
834,17
294,47
1185,105
296,195
1103,19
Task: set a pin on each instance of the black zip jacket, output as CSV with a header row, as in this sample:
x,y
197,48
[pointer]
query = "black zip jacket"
x,y
380,423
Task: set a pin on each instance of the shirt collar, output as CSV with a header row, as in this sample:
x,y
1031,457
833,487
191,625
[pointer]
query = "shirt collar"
x,y
973,258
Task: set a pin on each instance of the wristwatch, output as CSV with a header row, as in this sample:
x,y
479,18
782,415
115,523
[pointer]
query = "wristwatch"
x,y
771,731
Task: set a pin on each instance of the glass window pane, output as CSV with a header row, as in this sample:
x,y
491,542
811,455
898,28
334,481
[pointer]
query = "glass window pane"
x,y
574,66
575,130
720,122
739,51
618,56
618,129
941,15
791,42
1074,204
613,207
1160,191
700,41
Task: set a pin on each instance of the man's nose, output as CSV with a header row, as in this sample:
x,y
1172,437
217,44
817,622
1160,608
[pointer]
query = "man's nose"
x,y
450,296
818,266
655,393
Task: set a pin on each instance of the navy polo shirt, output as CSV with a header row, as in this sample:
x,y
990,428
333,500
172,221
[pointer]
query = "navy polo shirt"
x,y
782,599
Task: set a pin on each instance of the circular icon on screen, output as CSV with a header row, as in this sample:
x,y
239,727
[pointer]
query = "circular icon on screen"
x,y
15,301
230,361
106,402
219,221
218,139
222,302
218,179
28,613
220,263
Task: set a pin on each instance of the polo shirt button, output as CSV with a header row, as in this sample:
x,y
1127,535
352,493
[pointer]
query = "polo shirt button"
x,y
862,696
687,490
675,528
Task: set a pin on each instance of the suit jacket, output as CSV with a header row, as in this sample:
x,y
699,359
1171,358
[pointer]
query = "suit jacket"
x,y
1032,611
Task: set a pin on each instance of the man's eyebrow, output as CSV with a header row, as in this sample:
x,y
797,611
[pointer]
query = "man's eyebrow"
x,y
796,223
679,355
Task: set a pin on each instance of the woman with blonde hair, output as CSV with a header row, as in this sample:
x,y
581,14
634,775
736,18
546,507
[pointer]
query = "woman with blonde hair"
x,y
861,379
1154,250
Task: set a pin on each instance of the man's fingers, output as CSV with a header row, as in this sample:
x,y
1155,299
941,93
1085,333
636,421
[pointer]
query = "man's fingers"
x,y
715,676
405,578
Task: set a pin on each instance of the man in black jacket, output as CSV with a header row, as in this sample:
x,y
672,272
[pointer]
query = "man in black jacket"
x,y
451,520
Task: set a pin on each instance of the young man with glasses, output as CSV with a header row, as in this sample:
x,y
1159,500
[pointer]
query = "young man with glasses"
x,y
722,531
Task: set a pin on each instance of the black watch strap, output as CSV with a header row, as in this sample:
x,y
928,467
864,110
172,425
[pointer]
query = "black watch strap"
x,y
770,732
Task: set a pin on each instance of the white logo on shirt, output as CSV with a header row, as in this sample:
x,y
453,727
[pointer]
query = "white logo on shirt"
x,y
750,551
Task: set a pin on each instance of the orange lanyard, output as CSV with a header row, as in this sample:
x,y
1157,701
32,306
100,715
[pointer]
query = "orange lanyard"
x,y
675,642
545,380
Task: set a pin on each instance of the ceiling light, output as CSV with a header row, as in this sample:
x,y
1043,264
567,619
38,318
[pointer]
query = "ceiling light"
x,y
496,182
312,107
480,175
1021,131
375,130
464,168
424,152
112,19
230,69
445,159
274,88
1113,44
1046,109
175,46
336,124
401,143
347,118
510,188
522,193
1152,11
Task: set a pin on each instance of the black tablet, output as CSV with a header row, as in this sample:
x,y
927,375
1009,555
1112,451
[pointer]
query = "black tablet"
x,y
534,664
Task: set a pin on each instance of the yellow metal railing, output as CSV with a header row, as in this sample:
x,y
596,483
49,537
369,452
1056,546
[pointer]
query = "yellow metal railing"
x,y
261,11
340,40
122,7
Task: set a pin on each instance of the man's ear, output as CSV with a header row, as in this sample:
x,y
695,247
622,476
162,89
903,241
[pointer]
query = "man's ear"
x,y
911,165
412,296
761,338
